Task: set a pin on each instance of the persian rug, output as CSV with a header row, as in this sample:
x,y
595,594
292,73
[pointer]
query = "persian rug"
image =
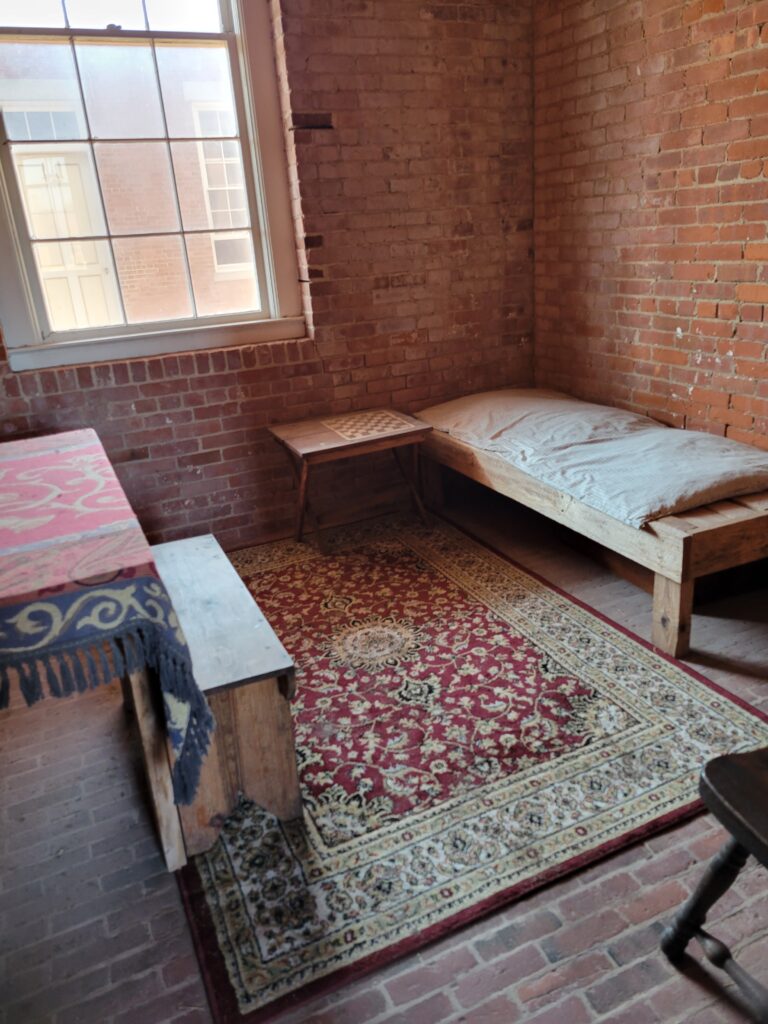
x,y
465,732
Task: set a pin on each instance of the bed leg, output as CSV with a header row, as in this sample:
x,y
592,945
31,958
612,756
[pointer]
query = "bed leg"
x,y
431,482
672,609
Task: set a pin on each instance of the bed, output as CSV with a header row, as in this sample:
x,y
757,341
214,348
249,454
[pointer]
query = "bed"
x,y
682,504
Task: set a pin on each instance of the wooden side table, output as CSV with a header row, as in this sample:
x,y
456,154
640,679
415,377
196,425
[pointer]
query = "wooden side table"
x,y
357,433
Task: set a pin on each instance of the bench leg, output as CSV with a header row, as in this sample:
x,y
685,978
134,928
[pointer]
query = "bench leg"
x,y
672,610
251,752
144,693
267,756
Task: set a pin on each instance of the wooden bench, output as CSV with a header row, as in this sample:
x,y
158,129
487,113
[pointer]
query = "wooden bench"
x,y
248,679
677,549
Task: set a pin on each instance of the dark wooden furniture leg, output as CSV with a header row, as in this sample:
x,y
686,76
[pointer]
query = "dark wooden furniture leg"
x,y
300,468
735,789
302,499
411,482
722,872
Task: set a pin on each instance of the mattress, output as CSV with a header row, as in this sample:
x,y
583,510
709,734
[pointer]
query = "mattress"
x,y
621,463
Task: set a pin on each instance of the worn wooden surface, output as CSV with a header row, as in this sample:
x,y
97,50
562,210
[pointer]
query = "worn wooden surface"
x,y
146,705
643,546
672,611
316,441
329,438
248,678
677,549
229,639
252,753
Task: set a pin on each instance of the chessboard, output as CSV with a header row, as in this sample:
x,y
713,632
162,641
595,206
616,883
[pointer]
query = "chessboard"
x,y
358,426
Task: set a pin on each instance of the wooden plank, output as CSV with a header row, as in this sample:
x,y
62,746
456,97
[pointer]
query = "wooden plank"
x,y
145,694
665,554
672,610
229,639
380,444
758,502
729,545
216,793
265,756
248,678
252,753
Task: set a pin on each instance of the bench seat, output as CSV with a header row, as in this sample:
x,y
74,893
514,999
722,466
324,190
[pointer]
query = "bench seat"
x,y
248,679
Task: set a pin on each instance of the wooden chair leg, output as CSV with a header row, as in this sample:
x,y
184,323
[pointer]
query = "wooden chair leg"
x,y
672,610
722,872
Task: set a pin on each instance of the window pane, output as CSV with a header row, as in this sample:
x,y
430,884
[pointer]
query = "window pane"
x,y
153,278
189,16
34,13
209,176
120,88
137,186
78,283
59,190
197,89
222,285
101,13
39,95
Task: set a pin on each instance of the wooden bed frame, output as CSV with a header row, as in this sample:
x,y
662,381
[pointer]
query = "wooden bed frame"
x,y
677,549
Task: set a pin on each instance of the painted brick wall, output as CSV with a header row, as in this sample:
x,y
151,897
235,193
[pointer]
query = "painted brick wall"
x,y
651,160
414,203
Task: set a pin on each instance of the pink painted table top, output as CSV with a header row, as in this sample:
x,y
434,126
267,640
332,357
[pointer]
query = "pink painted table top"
x,y
64,517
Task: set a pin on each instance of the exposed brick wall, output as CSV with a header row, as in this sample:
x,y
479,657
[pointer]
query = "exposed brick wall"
x,y
416,204
651,157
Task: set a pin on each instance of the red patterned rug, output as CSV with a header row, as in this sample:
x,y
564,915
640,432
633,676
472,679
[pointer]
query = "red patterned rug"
x,y
464,731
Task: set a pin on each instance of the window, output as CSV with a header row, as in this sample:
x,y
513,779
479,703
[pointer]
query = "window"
x,y
136,207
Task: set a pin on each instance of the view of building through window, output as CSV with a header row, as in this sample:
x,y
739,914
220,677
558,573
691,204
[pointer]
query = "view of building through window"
x,y
124,162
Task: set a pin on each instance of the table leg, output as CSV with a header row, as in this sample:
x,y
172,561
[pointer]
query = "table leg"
x,y
155,750
302,500
410,482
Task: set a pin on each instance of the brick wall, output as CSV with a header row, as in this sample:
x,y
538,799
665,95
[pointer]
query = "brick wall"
x,y
415,210
651,159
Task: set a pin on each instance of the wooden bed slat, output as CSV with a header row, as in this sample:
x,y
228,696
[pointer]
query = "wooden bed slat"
x,y
677,549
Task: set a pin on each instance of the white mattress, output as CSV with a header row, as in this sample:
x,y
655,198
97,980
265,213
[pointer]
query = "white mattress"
x,y
621,463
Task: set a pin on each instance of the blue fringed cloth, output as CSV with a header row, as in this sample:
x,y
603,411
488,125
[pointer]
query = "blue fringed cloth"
x,y
80,599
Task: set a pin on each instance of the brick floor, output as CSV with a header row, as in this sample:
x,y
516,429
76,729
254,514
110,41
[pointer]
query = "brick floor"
x,y
92,929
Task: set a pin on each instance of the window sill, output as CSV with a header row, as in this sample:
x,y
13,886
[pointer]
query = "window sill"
x,y
114,350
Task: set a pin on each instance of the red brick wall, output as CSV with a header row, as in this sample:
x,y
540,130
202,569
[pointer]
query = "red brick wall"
x,y
416,205
651,214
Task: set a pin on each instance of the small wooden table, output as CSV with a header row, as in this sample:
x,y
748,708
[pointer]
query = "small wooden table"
x,y
356,433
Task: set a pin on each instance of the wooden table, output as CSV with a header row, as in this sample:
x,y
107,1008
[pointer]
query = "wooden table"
x,y
329,438
74,563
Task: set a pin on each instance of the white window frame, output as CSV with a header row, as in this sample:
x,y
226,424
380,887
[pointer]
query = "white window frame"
x,y
247,29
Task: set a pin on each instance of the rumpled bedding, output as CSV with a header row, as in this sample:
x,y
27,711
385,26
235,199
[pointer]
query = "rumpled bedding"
x,y
620,463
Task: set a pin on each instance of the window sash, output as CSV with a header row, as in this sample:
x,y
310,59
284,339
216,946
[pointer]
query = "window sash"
x,y
252,183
